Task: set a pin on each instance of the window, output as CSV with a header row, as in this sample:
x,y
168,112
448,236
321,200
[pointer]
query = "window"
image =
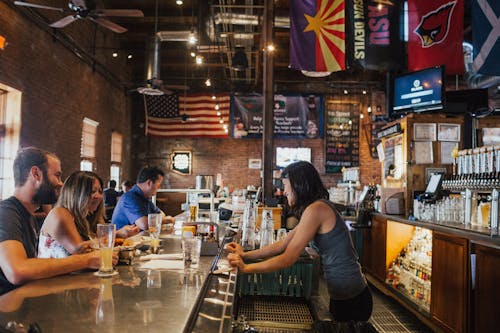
x,y
10,127
116,156
116,147
89,134
114,173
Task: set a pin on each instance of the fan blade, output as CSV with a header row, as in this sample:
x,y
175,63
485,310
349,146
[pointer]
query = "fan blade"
x,y
64,21
27,4
108,24
176,86
119,12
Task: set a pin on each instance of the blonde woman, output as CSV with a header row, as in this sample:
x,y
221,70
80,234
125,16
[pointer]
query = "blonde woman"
x,y
71,224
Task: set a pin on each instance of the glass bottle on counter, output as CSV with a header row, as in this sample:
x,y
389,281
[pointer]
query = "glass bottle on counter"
x,y
266,228
248,226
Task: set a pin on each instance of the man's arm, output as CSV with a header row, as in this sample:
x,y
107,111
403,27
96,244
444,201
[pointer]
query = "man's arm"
x,y
19,269
142,222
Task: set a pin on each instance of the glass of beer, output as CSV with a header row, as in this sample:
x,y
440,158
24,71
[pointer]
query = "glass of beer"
x,y
154,226
106,238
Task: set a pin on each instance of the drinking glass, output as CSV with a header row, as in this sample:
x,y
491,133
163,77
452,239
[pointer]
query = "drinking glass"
x,y
280,234
154,227
191,249
106,239
154,279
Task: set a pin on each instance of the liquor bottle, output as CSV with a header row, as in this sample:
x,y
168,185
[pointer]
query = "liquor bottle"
x,y
312,119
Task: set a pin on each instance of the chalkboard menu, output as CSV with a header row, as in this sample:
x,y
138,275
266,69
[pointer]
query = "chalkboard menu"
x,y
342,136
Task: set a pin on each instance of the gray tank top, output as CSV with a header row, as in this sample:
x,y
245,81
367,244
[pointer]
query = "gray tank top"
x,y
339,260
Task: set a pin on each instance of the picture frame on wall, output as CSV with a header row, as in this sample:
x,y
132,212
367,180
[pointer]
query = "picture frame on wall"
x,y
449,132
424,132
423,152
181,161
446,150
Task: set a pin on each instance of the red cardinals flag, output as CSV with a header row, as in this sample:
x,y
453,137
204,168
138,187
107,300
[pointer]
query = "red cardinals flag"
x,y
435,35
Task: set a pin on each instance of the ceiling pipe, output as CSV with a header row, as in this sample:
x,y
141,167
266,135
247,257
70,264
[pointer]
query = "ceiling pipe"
x,y
476,80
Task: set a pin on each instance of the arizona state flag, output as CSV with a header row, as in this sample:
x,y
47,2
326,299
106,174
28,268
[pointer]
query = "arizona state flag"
x,y
435,34
486,36
317,35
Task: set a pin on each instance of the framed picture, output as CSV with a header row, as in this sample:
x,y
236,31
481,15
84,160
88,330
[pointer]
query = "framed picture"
x,y
181,162
491,136
423,152
449,132
424,132
446,149
254,163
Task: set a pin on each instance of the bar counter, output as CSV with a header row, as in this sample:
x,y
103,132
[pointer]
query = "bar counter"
x,y
134,300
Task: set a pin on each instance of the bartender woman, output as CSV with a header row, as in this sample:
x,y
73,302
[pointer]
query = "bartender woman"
x,y
322,226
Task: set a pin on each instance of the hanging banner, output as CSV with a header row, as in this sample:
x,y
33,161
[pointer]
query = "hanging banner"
x,y
435,35
294,116
342,136
375,29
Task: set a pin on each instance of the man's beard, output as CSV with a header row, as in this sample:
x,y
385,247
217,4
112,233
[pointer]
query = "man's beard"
x,y
46,194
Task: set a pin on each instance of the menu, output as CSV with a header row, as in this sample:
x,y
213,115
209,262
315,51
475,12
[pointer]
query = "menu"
x,y
342,136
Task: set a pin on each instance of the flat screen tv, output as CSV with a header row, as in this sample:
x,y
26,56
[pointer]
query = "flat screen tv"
x,y
419,91
286,156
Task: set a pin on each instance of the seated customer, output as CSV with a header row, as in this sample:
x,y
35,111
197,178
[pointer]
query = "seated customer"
x,y
70,225
37,178
135,205
126,186
110,198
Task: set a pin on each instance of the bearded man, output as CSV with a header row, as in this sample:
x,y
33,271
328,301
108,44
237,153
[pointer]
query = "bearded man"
x,y
37,177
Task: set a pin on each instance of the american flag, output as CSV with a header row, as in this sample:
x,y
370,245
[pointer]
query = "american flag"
x,y
193,115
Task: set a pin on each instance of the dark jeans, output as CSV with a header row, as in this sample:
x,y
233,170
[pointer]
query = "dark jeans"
x,y
358,308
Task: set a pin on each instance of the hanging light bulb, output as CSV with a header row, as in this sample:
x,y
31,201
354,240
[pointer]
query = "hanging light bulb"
x,y
369,109
361,116
217,107
115,54
192,54
192,38
179,2
270,48
219,114
208,83
221,121
213,97
129,56
199,60
345,92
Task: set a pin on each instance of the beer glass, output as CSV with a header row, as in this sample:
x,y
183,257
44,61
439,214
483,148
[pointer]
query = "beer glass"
x,y
106,239
154,227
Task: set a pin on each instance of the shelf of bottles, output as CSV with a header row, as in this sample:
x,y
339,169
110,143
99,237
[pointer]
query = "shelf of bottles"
x,y
410,272
475,169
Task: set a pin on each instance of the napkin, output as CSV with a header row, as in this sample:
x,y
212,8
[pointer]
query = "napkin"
x,y
163,264
164,256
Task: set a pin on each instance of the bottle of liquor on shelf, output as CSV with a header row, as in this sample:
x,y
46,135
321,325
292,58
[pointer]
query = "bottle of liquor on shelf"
x,y
312,118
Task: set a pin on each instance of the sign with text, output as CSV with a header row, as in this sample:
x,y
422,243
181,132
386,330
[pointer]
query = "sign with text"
x,y
342,136
294,116
181,162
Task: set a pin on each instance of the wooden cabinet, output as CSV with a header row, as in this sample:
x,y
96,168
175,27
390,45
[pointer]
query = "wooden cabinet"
x,y
450,278
373,256
486,293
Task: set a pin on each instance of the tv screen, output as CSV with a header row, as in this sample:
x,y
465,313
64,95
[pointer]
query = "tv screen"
x,y
419,91
286,156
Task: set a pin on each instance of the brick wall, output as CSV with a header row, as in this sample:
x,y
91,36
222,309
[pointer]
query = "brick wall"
x,y
230,156
59,90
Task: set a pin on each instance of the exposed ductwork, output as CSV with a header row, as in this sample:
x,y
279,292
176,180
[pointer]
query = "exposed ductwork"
x,y
476,80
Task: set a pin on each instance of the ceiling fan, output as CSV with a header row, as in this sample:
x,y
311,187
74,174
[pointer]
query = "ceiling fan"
x,y
157,87
86,9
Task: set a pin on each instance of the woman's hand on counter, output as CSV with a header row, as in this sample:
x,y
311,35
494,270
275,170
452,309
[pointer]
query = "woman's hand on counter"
x,y
236,261
235,248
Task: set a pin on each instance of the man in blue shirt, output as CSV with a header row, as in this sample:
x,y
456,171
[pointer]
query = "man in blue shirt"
x,y
135,205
